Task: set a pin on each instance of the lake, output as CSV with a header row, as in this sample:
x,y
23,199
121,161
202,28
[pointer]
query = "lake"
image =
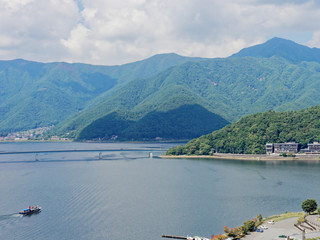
x,y
127,195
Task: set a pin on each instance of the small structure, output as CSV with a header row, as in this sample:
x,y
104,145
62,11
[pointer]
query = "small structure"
x,y
312,148
269,148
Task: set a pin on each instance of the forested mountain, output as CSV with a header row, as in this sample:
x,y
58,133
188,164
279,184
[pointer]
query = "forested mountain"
x,y
165,96
251,133
184,122
36,94
230,88
279,47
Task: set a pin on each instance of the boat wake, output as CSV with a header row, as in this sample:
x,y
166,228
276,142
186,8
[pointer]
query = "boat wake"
x,y
10,216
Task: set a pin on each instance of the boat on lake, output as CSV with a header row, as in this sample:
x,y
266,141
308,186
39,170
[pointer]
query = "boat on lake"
x,y
31,210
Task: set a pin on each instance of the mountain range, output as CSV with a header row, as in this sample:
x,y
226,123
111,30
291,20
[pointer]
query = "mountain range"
x,y
166,96
36,94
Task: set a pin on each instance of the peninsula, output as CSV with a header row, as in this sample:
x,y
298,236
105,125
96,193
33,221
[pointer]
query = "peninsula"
x,y
284,133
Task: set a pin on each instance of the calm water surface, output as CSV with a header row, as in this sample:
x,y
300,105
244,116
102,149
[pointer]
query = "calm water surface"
x,y
127,195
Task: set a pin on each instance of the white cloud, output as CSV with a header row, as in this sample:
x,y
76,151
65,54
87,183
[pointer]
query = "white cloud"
x,y
115,32
315,41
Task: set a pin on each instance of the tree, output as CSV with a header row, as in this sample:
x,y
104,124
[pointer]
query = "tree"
x,y
309,205
248,226
259,217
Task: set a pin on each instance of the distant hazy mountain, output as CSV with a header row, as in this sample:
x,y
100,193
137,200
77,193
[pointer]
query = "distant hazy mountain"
x,y
282,48
36,94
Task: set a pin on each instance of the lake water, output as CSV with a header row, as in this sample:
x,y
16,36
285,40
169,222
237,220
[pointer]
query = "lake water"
x,y
127,195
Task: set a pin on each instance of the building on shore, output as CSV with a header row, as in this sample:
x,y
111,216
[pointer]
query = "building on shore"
x,y
288,147
312,148
292,147
269,148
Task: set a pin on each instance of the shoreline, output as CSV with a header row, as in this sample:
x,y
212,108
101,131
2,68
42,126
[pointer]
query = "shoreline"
x,y
248,157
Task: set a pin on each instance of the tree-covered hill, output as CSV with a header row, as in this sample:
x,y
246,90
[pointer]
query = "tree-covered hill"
x,y
230,88
173,124
251,133
36,94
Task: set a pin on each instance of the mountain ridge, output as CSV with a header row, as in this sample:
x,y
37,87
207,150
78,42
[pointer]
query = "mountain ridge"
x,y
280,47
230,88
276,75
27,88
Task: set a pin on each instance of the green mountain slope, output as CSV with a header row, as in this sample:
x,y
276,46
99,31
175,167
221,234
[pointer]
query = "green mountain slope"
x,y
279,47
169,125
230,88
251,133
42,94
86,101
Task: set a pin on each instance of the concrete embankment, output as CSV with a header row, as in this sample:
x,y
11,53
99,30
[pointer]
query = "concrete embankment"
x,y
251,157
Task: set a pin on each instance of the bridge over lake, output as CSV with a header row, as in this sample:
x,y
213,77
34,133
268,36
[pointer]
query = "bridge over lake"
x,y
85,150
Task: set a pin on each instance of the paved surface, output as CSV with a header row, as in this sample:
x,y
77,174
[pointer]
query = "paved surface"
x,y
286,227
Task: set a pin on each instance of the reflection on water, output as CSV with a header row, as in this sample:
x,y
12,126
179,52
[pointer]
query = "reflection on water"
x,y
127,195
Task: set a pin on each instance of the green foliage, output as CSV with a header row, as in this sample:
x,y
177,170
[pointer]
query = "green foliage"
x,y
259,218
80,98
301,219
248,226
174,124
287,154
230,88
309,205
233,232
250,134
43,94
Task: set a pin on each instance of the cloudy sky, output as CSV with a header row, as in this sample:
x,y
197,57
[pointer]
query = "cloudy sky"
x,y
112,32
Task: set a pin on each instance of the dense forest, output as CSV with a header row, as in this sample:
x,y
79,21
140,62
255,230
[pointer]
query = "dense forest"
x,y
165,96
174,124
251,133
230,88
34,94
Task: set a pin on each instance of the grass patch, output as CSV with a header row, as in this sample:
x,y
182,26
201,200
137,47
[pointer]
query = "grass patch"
x,y
277,218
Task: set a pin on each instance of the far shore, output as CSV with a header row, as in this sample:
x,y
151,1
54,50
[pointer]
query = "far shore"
x,y
250,157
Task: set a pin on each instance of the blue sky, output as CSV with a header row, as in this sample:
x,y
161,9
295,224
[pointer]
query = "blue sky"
x,y
109,32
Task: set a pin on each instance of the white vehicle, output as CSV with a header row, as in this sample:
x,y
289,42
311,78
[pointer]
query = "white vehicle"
x,y
264,227
271,222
